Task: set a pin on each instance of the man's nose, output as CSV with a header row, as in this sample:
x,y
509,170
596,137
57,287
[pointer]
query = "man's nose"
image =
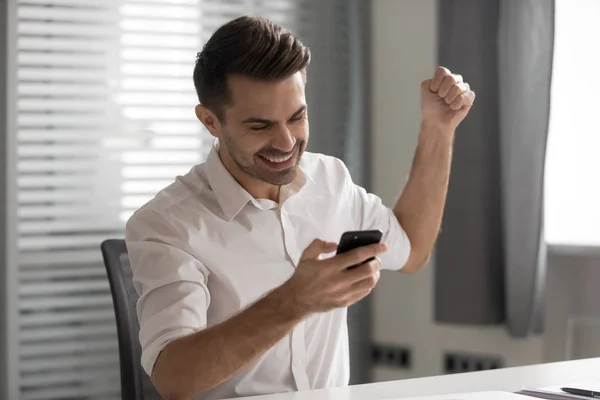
x,y
284,140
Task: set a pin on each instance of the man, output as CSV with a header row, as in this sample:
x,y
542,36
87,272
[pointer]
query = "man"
x,y
240,290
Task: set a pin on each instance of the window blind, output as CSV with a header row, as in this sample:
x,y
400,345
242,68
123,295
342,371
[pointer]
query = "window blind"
x,y
104,101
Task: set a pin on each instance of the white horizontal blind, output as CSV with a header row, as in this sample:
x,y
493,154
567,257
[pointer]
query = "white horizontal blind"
x,y
105,119
68,196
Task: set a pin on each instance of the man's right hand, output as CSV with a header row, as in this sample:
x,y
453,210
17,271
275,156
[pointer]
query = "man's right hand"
x,y
320,285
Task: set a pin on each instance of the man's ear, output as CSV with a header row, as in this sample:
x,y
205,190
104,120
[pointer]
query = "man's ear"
x,y
208,119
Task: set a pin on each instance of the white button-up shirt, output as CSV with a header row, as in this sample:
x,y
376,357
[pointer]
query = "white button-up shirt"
x,y
203,249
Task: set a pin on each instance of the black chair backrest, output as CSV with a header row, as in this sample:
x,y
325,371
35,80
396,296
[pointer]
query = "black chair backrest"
x,y
135,383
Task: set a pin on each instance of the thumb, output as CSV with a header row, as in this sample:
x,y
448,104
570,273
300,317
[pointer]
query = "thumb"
x,y
316,248
426,85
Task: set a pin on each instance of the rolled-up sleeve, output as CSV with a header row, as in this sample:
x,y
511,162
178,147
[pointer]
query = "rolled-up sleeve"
x,y
171,283
373,214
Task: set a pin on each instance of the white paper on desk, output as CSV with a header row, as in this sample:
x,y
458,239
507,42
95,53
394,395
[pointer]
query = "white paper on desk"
x,y
555,393
470,396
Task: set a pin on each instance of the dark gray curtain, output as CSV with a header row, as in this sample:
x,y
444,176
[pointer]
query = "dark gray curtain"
x,y
469,268
338,100
491,255
525,50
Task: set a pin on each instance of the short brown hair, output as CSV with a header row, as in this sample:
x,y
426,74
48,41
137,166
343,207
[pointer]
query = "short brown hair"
x,y
250,46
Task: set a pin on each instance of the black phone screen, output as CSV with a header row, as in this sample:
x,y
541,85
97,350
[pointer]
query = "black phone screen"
x,y
354,239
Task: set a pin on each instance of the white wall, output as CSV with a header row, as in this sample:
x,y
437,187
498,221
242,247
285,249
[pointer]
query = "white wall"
x,y
404,54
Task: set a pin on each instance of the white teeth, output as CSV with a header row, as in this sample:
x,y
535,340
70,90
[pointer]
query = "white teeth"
x,y
278,159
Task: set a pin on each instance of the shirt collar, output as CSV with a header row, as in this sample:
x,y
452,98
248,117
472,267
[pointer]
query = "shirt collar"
x,y
231,196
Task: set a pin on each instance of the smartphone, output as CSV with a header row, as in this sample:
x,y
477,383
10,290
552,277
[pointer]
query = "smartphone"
x,y
353,239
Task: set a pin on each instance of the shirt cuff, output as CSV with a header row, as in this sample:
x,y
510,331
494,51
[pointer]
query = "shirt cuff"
x,y
151,352
398,245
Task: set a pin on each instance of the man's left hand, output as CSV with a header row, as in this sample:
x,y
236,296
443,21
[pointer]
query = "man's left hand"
x,y
445,100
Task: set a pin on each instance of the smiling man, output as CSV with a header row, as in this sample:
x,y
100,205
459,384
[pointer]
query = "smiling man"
x,y
240,292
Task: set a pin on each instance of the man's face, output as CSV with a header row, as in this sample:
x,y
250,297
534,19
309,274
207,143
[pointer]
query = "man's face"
x,y
265,129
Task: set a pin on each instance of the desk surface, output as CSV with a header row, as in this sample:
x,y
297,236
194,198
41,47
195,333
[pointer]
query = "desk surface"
x,y
506,379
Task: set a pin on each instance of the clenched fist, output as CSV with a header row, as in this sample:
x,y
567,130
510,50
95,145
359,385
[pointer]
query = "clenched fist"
x,y
445,100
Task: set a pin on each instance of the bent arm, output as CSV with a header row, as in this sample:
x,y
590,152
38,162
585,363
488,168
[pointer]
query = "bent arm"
x,y
183,356
421,205
207,358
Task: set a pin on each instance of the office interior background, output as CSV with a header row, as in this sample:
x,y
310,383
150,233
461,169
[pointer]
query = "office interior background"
x,y
97,115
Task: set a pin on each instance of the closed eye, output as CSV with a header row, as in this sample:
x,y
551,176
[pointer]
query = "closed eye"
x,y
260,128
298,117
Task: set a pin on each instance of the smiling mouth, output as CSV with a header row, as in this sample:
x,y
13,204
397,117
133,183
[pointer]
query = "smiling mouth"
x,y
278,159
280,162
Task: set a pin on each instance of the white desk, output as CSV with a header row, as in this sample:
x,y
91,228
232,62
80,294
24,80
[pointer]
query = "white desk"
x,y
506,379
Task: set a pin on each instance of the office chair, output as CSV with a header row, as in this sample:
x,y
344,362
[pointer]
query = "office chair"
x,y
135,383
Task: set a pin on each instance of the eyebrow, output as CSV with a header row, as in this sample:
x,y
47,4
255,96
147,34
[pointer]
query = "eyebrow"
x,y
268,121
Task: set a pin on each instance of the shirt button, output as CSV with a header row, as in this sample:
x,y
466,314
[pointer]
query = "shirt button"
x,y
297,363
